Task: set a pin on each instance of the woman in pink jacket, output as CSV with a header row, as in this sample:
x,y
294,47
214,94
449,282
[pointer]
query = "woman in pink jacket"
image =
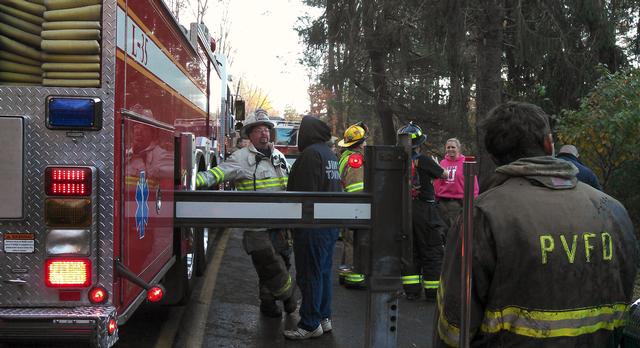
x,y
450,191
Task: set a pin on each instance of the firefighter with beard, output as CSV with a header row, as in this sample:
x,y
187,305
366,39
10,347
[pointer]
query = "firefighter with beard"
x,y
351,169
260,167
428,227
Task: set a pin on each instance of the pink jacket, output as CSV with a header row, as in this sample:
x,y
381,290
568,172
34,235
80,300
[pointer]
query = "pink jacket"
x,y
453,186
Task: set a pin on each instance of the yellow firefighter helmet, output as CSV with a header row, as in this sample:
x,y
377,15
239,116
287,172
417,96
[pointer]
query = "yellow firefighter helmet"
x,y
355,134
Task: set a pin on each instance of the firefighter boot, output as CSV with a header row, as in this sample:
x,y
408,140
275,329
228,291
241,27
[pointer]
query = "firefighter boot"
x,y
343,270
430,294
291,304
270,308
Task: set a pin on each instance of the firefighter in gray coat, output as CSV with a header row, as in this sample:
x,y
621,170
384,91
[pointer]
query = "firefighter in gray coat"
x,y
260,167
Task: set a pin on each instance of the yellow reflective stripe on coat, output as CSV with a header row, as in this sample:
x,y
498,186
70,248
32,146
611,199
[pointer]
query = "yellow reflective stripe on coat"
x,y
344,159
218,173
449,333
544,324
283,290
430,284
410,279
355,187
247,185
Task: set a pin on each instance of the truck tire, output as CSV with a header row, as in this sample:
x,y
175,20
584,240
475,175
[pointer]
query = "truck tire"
x,y
180,279
202,250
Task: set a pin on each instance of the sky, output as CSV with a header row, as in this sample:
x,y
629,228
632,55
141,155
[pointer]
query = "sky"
x,y
266,48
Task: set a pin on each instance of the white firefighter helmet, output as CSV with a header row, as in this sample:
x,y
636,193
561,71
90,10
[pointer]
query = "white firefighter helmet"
x,y
257,118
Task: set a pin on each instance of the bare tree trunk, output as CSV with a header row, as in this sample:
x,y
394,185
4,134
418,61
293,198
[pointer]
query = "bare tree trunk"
x,y
373,21
489,83
331,62
455,41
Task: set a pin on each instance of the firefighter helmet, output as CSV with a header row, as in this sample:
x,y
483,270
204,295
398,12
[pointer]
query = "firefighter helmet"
x,y
354,135
258,118
418,137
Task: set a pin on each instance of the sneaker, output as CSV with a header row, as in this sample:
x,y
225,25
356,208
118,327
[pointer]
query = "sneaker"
x,y
270,309
326,325
290,305
302,334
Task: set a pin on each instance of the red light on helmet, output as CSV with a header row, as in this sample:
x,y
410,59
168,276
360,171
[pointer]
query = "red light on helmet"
x,y
155,294
98,295
67,273
68,181
356,160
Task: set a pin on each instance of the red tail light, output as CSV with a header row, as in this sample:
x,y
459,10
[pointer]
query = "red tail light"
x,y
112,326
67,273
98,295
68,181
155,294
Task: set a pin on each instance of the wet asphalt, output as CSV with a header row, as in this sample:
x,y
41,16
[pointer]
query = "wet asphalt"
x,y
234,318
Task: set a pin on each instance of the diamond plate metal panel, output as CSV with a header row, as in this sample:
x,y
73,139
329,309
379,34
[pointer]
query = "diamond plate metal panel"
x,y
45,147
60,317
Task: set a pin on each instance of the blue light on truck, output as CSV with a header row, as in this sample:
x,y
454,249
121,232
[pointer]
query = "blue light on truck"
x,y
74,113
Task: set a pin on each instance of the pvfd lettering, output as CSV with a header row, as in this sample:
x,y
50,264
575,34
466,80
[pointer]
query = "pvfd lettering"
x,y
570,245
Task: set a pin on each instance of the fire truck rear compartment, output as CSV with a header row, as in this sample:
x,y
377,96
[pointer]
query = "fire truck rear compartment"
x,y
77,325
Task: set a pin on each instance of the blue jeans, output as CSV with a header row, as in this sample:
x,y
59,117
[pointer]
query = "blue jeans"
x,y
313,250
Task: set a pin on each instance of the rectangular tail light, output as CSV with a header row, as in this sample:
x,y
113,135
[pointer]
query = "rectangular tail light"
x,y
67,212
67,273
68,181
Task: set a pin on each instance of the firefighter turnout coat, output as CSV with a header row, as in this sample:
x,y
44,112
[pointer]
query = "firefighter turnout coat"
x,y
352,175
249,170
554,261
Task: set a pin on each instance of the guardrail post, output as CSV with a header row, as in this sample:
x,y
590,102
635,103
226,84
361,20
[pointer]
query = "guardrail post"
x,y
386,179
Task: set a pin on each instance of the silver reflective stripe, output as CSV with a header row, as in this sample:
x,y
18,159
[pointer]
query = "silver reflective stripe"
x,y
354,211
238,210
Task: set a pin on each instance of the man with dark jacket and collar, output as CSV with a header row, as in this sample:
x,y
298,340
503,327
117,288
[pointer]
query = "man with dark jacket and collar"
x,y
553,261
315,170
569,153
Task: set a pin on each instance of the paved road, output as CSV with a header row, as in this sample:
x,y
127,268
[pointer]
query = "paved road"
x,y
234,319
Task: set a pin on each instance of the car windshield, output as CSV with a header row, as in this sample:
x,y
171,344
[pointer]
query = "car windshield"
x,y
286,136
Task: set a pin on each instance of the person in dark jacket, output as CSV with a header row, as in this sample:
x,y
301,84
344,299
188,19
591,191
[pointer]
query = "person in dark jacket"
x,y
569,153
315,170
553,260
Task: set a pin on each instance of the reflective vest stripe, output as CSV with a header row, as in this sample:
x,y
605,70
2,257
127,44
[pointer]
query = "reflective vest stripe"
x,y
283,290
410,279
355,187
543,324
430,284
218,173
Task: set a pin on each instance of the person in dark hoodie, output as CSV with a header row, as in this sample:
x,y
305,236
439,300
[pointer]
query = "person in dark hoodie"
x,y
315,170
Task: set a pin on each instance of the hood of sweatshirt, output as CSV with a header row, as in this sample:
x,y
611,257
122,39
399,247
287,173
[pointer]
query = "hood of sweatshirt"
x,y
312,130
545,170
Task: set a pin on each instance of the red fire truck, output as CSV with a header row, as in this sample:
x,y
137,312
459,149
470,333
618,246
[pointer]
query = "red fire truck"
x,y
106,107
